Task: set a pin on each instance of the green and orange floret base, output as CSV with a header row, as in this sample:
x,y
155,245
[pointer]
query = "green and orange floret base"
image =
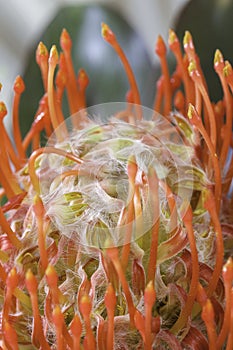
x,y
167,289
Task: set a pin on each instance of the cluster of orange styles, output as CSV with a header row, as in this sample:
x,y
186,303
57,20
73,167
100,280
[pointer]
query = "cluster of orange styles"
x,y
118,234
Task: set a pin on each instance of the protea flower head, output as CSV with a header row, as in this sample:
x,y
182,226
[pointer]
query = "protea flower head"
x,y
117,234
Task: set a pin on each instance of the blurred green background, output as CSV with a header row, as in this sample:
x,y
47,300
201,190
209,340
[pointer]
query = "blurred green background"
x,y
136,25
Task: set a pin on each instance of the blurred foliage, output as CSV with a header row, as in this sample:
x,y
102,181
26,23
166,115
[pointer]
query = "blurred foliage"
x,y
210,23
108,81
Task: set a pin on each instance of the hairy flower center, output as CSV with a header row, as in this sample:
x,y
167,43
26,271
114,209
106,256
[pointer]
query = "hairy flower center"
x,y
89,201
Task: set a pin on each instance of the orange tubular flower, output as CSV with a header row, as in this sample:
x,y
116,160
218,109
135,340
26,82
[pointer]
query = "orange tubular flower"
x,y
117,234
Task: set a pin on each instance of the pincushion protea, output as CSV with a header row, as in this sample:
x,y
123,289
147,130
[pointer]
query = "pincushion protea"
x,y
118,233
